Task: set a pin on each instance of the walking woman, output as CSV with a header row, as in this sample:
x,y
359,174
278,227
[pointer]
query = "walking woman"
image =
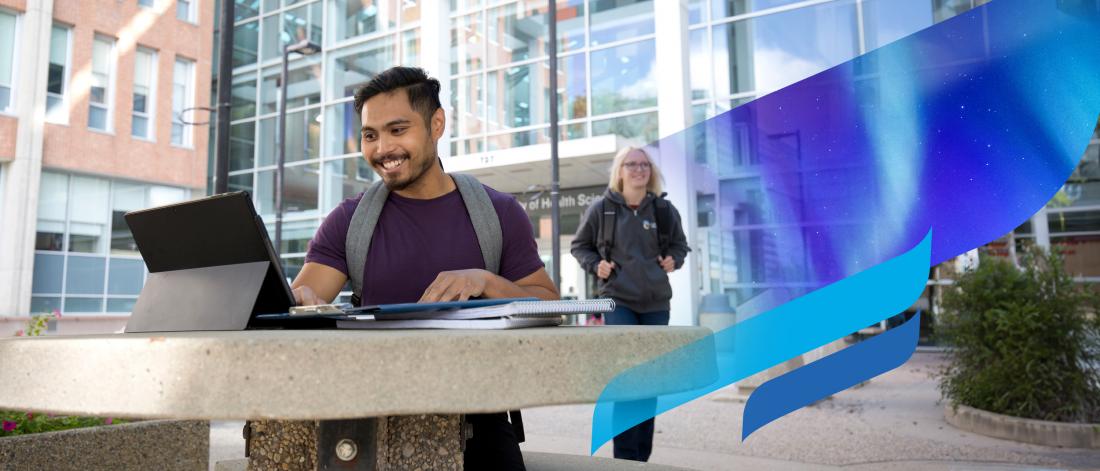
x,y
631,239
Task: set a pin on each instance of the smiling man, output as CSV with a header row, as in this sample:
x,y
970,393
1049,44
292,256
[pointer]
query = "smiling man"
x,y
423,235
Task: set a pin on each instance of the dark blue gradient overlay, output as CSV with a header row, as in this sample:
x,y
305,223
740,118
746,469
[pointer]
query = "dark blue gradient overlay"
x,y
963,129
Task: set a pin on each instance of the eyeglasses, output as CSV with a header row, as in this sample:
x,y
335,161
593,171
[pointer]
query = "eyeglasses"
x,y
636,166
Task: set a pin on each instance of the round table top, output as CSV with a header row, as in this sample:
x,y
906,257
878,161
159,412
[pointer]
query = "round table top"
x,y
326,374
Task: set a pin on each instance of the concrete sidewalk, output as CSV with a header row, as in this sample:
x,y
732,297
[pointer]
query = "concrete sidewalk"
x,y
894,422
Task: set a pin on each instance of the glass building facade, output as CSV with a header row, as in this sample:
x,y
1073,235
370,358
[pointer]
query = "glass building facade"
x,y
493,62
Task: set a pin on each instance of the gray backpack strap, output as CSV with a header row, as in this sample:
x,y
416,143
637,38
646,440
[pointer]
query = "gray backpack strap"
x,y
484,218
360,231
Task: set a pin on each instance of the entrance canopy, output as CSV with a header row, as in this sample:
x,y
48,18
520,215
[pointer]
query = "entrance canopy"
x,y
582,162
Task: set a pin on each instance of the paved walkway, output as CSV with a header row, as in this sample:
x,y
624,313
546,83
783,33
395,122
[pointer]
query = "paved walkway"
x,y
894,422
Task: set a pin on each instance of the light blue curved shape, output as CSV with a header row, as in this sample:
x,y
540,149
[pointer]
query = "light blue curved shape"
x,y
756,344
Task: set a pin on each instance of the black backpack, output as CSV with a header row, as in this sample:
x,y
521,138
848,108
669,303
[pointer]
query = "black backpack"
x,y
610,215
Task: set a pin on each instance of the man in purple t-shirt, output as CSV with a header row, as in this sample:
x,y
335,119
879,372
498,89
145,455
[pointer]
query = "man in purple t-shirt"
x,y
424,248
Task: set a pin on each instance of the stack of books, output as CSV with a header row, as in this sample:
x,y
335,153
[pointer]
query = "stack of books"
x,y
513,313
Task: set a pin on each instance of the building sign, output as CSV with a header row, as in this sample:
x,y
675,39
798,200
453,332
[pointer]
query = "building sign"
x,y
571,201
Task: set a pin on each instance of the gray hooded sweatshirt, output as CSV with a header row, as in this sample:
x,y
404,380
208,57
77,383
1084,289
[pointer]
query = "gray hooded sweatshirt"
x,y
638,281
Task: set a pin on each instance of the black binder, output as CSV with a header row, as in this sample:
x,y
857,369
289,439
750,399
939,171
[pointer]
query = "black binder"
x,y
211,266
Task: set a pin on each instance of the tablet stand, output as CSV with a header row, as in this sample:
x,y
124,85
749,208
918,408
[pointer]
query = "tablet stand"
x,y
207,298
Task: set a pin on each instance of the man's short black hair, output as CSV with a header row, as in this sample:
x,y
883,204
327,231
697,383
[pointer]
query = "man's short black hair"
x,y
423,91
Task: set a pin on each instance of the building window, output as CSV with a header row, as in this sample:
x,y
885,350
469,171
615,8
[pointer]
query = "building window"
x,y
624,78
944,9
145,71
57,81
147,3
85,258
358,18
620,20
185,10
88,212
1077,234
183,89
99,101
7,58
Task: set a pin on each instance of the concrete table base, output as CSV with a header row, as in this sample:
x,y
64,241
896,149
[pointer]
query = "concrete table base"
x,y
312,375
394,442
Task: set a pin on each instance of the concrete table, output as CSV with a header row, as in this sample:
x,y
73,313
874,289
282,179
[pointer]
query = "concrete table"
x,y
404,391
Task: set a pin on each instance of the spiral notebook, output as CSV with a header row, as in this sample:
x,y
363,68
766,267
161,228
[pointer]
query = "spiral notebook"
x,y
493,323
512,315
516,309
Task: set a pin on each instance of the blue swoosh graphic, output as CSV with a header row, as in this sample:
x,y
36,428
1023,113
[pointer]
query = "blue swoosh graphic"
x,y
758,343
830,375
956,134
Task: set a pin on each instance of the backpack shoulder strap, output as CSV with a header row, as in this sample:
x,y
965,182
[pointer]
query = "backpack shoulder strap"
x,y
664,223
484,218
609,216
360,232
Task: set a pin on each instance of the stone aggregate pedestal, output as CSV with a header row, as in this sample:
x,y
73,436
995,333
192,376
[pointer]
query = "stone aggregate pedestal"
x,y
428,442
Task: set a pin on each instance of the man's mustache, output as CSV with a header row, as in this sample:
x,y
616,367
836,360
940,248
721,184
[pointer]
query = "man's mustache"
x,y
391,156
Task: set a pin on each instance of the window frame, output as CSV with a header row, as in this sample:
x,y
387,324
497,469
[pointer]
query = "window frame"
x,y
60,115
109,95
192,11
187,134
150,98
12,87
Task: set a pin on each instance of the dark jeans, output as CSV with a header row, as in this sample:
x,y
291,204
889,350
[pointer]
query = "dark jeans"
x,y
635,443
494,444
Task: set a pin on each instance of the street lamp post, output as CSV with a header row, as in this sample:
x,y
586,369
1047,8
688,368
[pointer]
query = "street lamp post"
x,y
555,191
305,48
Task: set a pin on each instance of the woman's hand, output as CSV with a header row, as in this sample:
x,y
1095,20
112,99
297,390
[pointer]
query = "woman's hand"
x,y
667,263
603,270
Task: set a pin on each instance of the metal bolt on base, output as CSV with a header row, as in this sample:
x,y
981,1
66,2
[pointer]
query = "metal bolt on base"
x,y
346,450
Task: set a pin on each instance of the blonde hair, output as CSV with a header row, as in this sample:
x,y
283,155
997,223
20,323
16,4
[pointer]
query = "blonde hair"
x,y
616,181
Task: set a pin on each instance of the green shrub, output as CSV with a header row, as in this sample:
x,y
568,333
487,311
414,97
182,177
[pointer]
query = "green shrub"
x,y
1026,341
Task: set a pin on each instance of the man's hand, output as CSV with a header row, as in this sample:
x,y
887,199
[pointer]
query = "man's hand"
x,y
304,296
457,285
603,270
667,263
317,284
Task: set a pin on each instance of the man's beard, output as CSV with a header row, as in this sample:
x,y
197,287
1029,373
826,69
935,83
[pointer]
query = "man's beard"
x,y
415,175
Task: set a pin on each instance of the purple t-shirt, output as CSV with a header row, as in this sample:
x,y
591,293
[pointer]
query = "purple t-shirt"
x,y
415,240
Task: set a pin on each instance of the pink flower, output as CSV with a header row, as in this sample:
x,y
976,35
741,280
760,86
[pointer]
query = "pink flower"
x,y
9,426
57,313
19,333
109,421
30,415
